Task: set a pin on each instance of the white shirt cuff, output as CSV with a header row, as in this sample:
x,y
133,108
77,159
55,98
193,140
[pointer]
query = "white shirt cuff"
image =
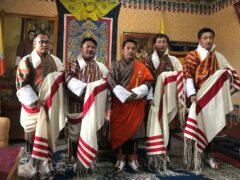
x,y
150,94
76,86
190,89
121,93
18,59
141,91
26,95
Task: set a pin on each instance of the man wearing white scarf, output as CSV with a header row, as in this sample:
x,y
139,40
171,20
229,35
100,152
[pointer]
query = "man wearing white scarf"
x,y
31,72
199,66
79,73
159,63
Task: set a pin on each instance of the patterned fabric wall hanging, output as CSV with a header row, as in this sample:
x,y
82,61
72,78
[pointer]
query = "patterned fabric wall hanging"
x,y
71,32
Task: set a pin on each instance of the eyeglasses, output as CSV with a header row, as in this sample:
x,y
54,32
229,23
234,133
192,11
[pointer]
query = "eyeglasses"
x,y
43,41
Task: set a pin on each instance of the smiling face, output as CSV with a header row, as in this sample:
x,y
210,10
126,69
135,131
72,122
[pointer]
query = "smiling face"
x,y
42,44
129,51
206,40
88,50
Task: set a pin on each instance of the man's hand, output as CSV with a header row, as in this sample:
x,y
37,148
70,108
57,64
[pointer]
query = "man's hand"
x,y
131,98
151,102
36,104
193,98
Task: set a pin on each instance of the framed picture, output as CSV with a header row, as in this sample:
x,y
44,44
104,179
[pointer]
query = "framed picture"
x,y
145,48
144,42
41,24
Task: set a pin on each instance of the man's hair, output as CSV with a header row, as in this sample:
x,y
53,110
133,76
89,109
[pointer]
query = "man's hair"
x,y
161,36
205,30
129,40
89,39
42,33
31,30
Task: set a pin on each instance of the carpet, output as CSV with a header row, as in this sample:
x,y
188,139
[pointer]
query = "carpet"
x,y
226,148
229,147
103,170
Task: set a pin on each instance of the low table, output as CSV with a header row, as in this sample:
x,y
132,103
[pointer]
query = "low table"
x,y
9,159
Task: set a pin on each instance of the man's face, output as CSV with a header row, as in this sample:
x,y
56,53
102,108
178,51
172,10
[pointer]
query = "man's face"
x,y
42,44
161,45
206,40
129,51
31,35
88,50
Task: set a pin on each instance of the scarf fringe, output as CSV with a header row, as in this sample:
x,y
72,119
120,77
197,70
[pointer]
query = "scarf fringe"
x,y
83,172
157,162
80,170
181,116
198,162
192,157
188,152
41,166
103,136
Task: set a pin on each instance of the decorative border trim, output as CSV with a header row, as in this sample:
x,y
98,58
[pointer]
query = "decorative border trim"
x,y
205,8
179,6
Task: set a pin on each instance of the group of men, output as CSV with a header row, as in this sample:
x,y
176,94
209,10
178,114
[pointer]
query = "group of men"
x,y
131,84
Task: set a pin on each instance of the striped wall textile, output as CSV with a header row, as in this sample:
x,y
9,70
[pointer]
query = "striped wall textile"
x,y
181,6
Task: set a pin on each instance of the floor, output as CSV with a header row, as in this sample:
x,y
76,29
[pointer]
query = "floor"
x,y
227,172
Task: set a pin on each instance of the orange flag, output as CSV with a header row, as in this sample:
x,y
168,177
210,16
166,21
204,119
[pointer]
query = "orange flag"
x,y
2,62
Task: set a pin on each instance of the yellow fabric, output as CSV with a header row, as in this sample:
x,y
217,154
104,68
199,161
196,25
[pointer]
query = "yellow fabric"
x,y
88,9
162,24
2,62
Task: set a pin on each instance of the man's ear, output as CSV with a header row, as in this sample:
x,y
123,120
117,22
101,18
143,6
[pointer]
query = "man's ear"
x,y
34,44
121,51
154,45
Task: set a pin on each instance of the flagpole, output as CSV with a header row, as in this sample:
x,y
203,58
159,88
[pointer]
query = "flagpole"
x,y
162,23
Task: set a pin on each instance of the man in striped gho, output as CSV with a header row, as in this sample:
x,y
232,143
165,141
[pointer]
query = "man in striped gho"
x,y
130,81
199,66
31,72
78,73
158,63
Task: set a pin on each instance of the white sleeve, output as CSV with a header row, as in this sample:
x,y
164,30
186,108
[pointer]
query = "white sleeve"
x,y
190,89
121,93
141,91
26,95
18,59
150,94
76,86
